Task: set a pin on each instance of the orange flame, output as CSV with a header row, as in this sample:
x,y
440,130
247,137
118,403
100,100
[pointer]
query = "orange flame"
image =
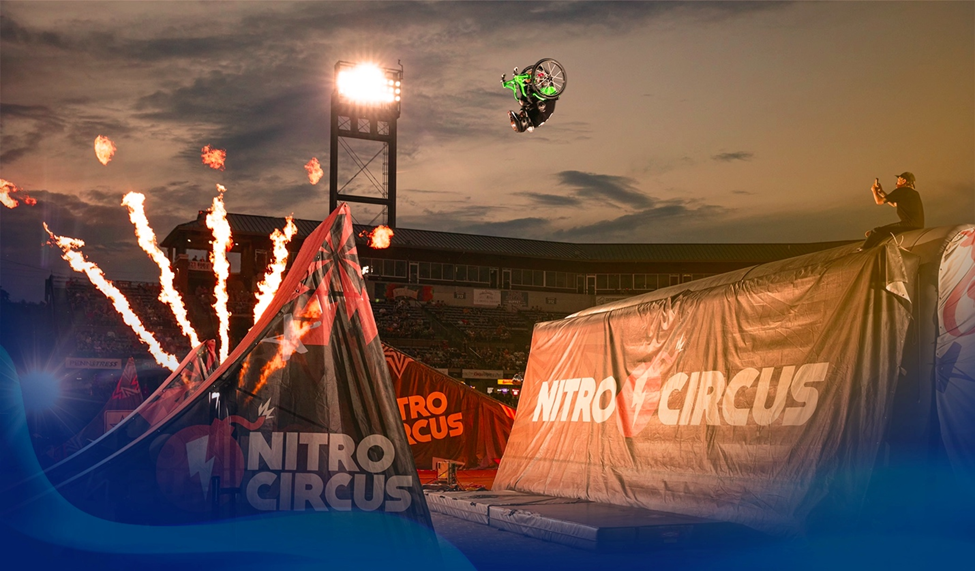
x,y
272,277
69,251
147,240
379,237
104,149
214,158
7,188
290,341
315,171
222,242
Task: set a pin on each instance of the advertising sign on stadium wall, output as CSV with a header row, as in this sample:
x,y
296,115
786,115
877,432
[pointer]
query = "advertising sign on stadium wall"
x,y
491,374
487,297
86,363
514,299
405,291
955,367
751,402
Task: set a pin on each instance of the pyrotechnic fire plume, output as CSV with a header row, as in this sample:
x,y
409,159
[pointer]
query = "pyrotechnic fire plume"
x,y
69,251
315,171
214,158
7,189
134,201
289,344
222,242
379,237
272,277
104,149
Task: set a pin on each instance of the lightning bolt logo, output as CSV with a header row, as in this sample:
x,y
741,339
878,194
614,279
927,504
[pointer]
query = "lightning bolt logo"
x,y
196,459
266,410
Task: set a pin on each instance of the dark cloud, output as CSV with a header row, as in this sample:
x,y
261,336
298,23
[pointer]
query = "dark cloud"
x,y
109,241
735,156
651,224
743,192
531,227
618,190
552,199
24,128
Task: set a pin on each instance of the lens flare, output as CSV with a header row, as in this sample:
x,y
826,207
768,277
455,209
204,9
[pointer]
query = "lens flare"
x,y
379,237
272,277
104,149
222,242
69,251
214,158
315,171
135,201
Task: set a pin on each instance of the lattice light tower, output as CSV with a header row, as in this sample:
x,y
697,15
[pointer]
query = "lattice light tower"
x,y
365,106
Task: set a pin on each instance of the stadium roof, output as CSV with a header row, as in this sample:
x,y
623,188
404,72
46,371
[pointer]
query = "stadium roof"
x,y
262,226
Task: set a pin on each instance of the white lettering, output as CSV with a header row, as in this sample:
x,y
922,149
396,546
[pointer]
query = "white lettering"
x,y
331,487
359,492
599,413
340,448
258,450
308,490
587,389
805,395
670,416
398,489
254,498
545,404
732,414
375,441
569,387
766,416
314,440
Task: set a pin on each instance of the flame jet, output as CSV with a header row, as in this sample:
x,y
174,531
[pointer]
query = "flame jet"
x,y
69,251
134,201
222,242
272,278
104,149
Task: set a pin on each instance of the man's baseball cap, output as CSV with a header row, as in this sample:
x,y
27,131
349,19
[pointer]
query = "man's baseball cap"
x,y
908,176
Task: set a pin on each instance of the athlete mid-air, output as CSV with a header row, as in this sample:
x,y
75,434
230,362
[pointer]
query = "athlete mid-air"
x,y
536,89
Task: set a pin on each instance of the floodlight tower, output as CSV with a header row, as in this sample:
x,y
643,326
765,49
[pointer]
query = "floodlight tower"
x,y
365,105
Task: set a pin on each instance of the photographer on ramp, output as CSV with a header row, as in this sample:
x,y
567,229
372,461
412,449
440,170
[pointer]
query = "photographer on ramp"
x,y
909,209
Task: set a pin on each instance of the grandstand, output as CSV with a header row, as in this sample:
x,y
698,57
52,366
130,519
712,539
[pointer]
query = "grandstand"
x,y
464,304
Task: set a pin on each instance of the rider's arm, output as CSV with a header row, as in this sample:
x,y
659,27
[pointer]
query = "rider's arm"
x,y
879,196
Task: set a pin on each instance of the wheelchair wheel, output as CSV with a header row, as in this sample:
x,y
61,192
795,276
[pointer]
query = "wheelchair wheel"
x,y
548,78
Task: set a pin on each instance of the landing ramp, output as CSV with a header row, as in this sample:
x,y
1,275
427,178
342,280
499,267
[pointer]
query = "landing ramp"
x,y
584,524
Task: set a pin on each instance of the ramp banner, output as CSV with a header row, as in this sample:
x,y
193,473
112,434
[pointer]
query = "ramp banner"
x,y
754,402
178,387
126,397
301,416
955,363
444,419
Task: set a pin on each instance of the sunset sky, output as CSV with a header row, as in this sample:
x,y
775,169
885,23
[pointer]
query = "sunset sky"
x,y
681,122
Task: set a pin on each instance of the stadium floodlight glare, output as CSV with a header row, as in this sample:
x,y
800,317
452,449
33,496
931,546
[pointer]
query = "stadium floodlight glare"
x,y
368,84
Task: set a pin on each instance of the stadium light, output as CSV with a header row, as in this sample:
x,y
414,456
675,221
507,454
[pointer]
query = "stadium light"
x,y
368,84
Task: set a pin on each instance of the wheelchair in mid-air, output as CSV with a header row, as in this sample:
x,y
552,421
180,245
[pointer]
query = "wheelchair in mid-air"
x,y
536,89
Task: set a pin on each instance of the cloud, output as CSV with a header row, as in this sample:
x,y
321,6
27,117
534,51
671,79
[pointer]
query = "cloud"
x,y
552,199
618,190
531,227
742,192
735,156
651,224
24,128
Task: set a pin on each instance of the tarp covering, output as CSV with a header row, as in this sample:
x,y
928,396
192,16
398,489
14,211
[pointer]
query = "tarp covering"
x,y
444,418
180,386
956,354
752,401
125,398
301,416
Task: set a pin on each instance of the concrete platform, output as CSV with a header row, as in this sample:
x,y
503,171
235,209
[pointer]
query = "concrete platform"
x,y
583,524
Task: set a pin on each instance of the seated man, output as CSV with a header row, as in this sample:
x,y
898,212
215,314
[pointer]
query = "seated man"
x,y
534,111
906,200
